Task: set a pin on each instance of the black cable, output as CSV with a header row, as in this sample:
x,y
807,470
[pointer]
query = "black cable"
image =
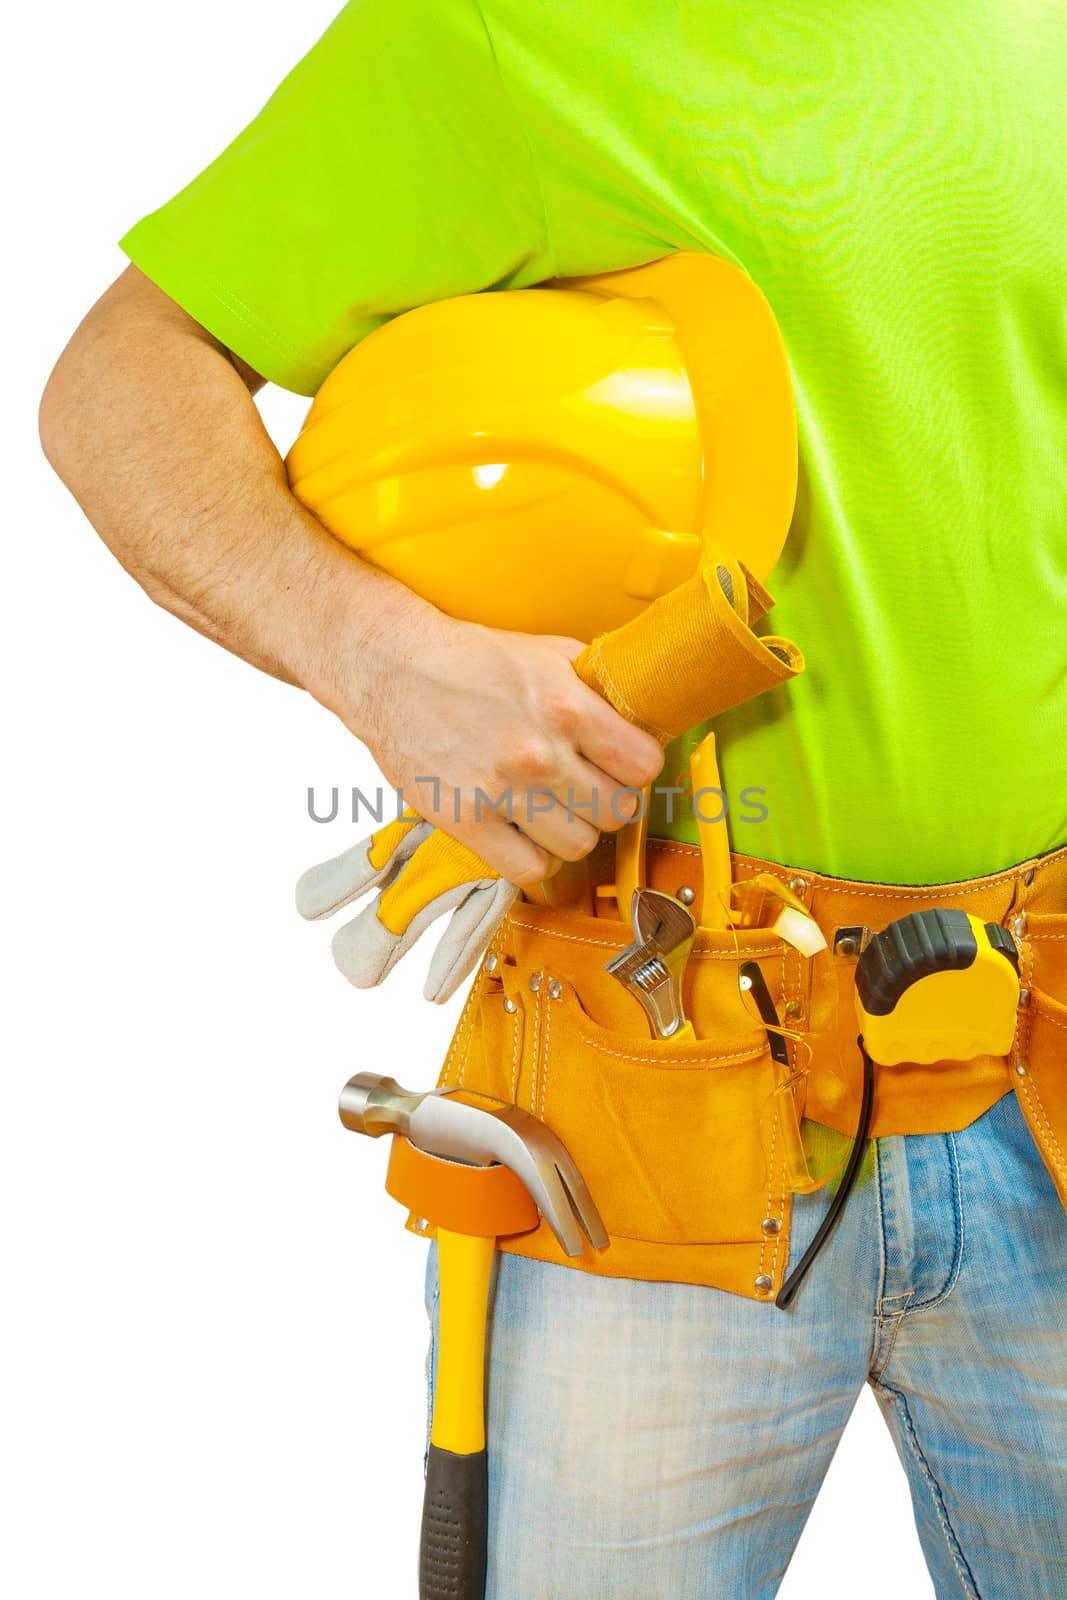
x,y
792,1283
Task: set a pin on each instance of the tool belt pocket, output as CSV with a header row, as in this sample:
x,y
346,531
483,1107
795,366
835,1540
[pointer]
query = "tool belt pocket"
x,y
1040,1069
671,1137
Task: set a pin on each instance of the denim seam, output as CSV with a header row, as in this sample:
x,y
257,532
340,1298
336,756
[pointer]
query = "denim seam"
x,y
910,1304
884,1299
957,1247
882,1256
435,1303
889,1326
887,1322
955,1550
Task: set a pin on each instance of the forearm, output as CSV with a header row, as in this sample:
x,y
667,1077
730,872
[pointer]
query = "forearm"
x,y
154,430
153,427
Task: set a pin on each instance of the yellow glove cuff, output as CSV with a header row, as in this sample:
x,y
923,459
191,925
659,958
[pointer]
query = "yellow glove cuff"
x,y
691,654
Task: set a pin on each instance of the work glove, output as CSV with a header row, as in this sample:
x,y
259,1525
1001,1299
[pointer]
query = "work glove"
x,y
421,874
688,656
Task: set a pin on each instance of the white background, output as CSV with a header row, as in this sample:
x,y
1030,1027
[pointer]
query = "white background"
x,y
213,1327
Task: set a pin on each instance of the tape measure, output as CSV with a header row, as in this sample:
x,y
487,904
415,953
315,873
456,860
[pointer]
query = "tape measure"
x,y
938,986
933,986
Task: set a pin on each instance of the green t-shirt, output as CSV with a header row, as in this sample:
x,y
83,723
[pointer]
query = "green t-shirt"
x,y
892,175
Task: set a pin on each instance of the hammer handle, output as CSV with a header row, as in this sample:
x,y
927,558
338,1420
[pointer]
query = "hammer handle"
x,y
455,1515
455,1507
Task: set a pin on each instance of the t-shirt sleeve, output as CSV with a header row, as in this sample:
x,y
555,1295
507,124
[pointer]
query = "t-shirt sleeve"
x,y
387,170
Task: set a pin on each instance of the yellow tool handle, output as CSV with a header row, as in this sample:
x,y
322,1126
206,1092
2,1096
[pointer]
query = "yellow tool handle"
x,y
464,1263
469,1207
716,867
455,1513
630,842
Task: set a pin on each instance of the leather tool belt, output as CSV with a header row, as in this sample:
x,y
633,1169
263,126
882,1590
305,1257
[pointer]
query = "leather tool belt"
x,y
688,1148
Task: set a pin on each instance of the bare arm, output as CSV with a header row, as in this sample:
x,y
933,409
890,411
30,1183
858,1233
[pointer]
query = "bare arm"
x,y
153,427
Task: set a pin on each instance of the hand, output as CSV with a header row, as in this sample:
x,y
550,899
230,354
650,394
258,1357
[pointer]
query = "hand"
x,y
460,717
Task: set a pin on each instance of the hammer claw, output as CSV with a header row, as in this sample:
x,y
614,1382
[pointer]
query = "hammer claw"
x,y
480,1135
557,1186
581,1201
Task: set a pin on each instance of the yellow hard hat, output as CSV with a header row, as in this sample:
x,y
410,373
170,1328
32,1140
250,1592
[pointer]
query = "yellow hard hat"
x,y
552,459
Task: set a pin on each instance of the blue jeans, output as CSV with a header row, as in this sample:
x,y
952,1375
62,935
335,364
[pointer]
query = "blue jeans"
x,y
660,1441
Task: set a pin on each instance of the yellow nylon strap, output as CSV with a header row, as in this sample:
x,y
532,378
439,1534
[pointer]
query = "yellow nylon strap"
x,y
688,656
439,864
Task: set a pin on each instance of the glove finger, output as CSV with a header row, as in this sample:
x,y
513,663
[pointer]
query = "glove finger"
x,y
373,862
366,950
439,867
468,935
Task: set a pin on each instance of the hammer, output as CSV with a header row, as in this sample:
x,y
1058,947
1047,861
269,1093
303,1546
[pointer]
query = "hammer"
x,y
476,1171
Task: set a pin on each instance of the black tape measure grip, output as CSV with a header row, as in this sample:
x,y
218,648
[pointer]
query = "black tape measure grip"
x,y
936,985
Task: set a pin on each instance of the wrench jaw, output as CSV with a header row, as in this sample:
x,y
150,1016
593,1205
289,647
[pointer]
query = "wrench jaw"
x,y
656,981
652,967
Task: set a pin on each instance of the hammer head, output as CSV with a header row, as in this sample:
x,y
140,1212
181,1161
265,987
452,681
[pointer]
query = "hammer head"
x,y
480,1135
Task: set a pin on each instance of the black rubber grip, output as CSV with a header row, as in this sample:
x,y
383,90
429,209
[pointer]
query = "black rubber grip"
x,y
455,1515
909,949
1002,940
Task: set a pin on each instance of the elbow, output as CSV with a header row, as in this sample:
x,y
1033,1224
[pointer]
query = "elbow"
x,y
63,416
86,389
51,418
90,381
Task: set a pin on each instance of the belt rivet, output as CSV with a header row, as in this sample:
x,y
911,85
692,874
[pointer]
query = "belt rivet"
x,y
510,1005
793,1008
1028,876
1024,998
763,1284
799,886
1018,927
1021,1068
535,981
771,1225
555,988
686,895
492,961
